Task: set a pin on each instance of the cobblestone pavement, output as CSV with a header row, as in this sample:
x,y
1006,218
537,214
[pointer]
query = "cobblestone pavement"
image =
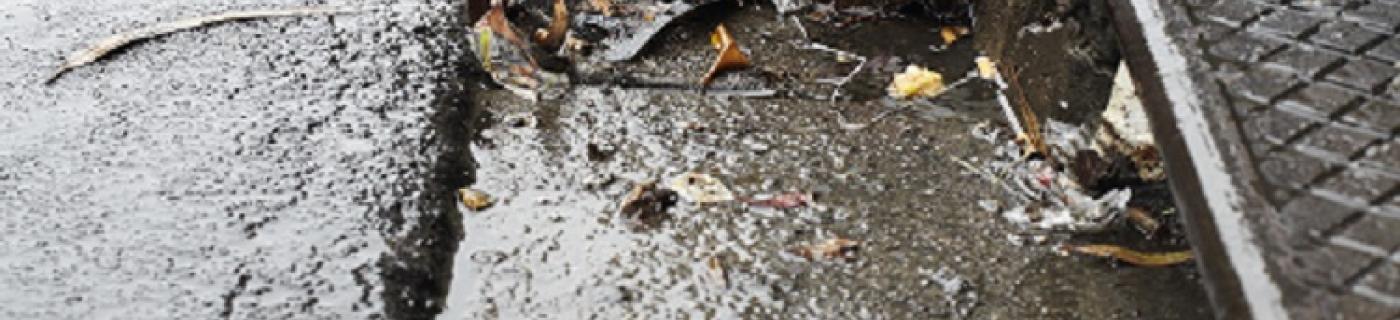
x,y
1294,104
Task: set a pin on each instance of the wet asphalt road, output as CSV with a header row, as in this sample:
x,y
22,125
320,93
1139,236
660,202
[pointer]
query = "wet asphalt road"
x,y
280,168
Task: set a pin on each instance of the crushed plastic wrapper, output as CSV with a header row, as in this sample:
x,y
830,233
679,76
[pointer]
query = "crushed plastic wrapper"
x,y
1076,212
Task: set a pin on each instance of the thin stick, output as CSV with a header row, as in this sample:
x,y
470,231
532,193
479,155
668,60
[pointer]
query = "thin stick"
x,y
101,48
798,22
990,177
840,83
841,120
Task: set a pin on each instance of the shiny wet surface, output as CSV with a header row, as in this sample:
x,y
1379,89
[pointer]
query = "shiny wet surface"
x,y
280,168
555,247
304,168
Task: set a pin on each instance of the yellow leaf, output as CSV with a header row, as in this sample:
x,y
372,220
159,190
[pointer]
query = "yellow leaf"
x,y
1137,258
730,57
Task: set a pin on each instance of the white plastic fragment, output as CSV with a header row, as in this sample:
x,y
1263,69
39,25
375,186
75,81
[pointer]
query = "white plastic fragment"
x,y
701,188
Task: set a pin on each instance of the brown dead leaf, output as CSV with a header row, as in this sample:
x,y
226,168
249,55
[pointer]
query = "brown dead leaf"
x,y
495,19
837,247
102,48
1143,220
730,57
646,201
1141,259
603,6
1033,137
554,36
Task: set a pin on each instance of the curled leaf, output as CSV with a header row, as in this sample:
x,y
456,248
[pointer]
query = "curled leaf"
x,y
701,188
730,57
1142,259
1143,221
646,201
554,36
101,48
474,199
603,6
837,247
495,20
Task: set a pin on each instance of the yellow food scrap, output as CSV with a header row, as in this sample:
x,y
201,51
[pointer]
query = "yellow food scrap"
x,y
986,69
916,81
1137,258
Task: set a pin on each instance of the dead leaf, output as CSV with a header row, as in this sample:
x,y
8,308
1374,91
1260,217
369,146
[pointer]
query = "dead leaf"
x,y
495,20
1033,137
554,36
603,6
646,201
701,188
1142,259
730,57
837,247
102,48
1143,221
916,81
475,199
781,201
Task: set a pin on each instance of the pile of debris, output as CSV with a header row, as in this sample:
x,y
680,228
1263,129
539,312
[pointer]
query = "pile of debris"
x,y
1066,181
